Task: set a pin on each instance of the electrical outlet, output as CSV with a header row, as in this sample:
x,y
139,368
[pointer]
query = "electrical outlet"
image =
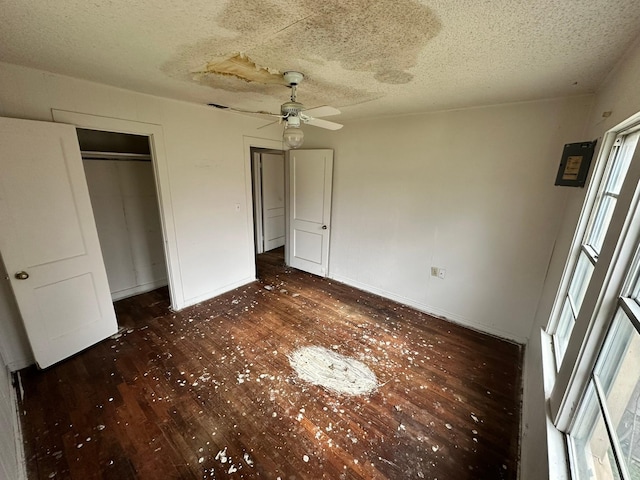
x,y
438,272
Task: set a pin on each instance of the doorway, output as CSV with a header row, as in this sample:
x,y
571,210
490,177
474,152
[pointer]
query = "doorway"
x,y
119,172
268,188
304,184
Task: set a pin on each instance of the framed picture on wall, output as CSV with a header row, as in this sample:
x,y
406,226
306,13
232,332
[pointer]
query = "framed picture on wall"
x,y
574,165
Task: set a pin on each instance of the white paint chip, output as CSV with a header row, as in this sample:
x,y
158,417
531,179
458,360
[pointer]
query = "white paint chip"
x,y
335,372
222,455
305,458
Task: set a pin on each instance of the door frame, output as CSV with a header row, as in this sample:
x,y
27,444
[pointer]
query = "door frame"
x,y
256,191
251,143
161,176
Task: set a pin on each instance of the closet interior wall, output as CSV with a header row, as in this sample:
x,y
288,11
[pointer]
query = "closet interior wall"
x,y
121,182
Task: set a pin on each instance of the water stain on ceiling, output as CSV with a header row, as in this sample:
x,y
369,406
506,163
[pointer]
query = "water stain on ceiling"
x,y
259,40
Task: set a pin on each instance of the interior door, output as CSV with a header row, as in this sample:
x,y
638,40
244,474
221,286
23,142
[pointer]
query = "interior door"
x,y
310,181
273,200
49,242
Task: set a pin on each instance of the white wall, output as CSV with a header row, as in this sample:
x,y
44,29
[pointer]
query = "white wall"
x,y
125,207
470,191
14,346
209,179
620,95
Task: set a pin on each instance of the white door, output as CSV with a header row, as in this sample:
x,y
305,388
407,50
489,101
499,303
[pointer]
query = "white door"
x,y
273,200
310,177
49,242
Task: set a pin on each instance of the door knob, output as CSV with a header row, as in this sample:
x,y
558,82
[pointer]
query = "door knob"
x,y
22,275
324,227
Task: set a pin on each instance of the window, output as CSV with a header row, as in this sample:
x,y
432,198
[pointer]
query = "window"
x,y
595,399
597,217
605,442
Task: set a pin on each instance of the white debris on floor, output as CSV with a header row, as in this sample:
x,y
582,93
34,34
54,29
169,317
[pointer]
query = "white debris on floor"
x,y
335,372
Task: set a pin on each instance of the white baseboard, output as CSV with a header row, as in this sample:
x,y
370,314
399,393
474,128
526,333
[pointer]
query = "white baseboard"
x,y
138,289
214,293
430,310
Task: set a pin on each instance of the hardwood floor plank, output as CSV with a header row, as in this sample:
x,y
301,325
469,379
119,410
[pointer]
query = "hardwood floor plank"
x,y
209,392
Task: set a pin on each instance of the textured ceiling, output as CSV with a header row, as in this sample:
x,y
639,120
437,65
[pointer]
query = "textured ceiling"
x,y
366,57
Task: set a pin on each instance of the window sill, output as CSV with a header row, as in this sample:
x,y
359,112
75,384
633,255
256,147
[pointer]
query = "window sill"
x,y
556,440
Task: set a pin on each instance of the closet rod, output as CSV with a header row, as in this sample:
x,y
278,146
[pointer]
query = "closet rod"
x,y
139,157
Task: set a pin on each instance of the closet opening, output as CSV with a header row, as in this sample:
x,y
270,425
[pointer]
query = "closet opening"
x,y
120,175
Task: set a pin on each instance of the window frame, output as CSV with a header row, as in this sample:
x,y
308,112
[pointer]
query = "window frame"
x,y
602,185
576,243
588,335
603,192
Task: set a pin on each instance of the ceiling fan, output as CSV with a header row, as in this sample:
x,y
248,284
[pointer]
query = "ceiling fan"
x,y
293,113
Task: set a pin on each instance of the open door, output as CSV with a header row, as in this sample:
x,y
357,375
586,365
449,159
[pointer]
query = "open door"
x,y
273,200
310,182
49,242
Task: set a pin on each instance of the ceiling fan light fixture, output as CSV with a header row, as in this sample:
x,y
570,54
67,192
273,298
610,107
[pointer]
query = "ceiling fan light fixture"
x,y
293,136
294,113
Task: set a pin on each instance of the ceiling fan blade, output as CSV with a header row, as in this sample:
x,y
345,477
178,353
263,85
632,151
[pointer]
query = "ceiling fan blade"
x,y
240,110
324,111
318,122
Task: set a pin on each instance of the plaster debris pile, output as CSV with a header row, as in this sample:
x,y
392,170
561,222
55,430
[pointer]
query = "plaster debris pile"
x,y
335,372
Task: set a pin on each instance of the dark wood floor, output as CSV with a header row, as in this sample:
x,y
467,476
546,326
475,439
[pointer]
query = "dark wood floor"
x,y
208,392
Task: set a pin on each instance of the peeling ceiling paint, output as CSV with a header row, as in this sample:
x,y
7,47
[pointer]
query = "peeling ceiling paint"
x,y
242,67
365,57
